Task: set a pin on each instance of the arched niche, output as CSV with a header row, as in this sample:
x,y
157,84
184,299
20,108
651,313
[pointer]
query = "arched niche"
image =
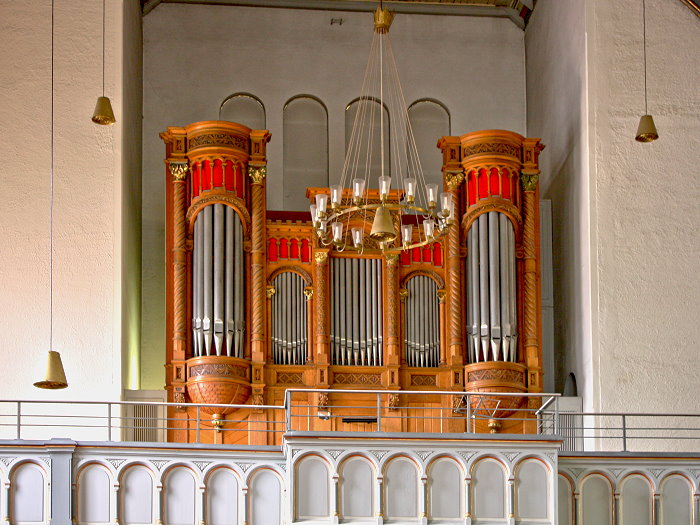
x,y
421,322
636,501
596,500
312,488
243,108
94,490
489,489
676,501
532,490
305,149
401,488
136,495
445,489
368,111
288,323
179,496
356,476
564,501
265,497
27,498
430,120
223,494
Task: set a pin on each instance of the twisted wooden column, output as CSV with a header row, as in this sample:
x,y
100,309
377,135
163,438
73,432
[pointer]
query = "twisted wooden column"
x,y
178,170
529,180
453,272
392,343
257,254
322,320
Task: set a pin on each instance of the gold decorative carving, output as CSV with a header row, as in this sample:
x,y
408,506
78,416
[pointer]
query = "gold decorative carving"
x,y
403,294
357,379
218,139
492,147
423,380
496,374
323,400
308,292
179,398
453,179
320,257
441,294
217,369
178,170
291,268
290,378
257,173
393,401
392,259
493,204
219,198
270,291
529,181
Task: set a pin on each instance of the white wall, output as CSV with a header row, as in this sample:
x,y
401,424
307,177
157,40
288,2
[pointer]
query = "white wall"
x,y
645,208
91,249
556,112
195,56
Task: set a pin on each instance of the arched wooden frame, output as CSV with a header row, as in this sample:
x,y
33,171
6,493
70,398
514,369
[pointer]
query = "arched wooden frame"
x,y
329,472
243,94
225,198
309,311
440,286
494,204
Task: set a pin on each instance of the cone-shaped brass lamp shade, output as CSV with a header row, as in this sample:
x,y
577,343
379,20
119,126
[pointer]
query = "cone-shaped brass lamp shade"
x,y
382,226
103,112
55,376
646,132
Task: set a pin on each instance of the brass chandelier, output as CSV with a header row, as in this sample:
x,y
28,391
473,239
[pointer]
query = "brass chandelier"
x,y
414,214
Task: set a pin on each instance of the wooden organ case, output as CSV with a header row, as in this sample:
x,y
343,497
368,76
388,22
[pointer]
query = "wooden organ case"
x,y
255,305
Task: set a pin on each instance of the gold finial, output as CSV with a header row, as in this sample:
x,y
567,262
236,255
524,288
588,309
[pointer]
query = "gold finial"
x,y
382,20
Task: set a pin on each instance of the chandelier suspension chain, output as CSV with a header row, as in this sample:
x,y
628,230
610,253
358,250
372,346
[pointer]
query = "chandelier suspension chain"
x,y
51,187
644,46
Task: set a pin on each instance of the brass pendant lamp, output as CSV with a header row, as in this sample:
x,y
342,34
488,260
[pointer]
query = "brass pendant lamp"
x,y
55,376
646,131
103,114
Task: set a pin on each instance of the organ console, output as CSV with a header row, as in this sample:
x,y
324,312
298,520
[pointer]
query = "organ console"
x,y
256,305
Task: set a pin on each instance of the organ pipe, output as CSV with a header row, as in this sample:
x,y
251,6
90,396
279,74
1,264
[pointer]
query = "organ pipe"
x,y
422,323
289,320
491,289
217,283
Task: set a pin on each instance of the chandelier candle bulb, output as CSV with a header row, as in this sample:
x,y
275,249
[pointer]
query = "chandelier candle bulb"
x,y
357,237
432,194
407,234
336,196
429,228
384,187
321,205
358,189
446,200
314,216
409,185
337,230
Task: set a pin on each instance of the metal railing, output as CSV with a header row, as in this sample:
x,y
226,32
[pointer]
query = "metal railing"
x,y
335,410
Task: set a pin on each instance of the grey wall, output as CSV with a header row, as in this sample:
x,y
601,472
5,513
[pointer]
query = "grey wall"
x,y
195,56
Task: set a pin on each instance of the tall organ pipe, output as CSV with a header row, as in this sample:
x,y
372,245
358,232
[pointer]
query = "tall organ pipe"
x,y
491,289
422,323
289,320
217,282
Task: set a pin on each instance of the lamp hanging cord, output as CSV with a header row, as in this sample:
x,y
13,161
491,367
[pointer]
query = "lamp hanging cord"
x,y
103,48
644,30
51,190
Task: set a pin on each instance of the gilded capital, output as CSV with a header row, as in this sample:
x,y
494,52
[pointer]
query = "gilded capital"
x,y
178,170
257,173
270,291
454,179
308,292
403,294
321,257
441,294
529,180
392,259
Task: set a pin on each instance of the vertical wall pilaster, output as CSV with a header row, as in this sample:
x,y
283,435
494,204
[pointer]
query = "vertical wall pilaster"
x,y
61,474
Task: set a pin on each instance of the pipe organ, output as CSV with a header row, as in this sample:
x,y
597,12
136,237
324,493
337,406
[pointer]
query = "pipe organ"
x,y
256,305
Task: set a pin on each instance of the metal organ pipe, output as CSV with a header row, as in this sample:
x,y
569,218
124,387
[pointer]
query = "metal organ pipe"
x,y
289,316
491,289
422,323
217,282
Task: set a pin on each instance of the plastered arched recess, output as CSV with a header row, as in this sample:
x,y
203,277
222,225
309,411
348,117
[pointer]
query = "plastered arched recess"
x,y
125,505
598,509
676,508
226,506
87,502
32,507
312,490
565,499
401,487
488,491
633,509
265,506
445,495
532,500
355,500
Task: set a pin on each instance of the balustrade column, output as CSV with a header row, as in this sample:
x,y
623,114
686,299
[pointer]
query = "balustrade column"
x,y
510,504
115,503
158,507
6,506
467,502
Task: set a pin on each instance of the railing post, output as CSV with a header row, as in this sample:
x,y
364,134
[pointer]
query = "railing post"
x,y
109,421
288,410
469,413
379,412
556,416
624,433
19,419
198,424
